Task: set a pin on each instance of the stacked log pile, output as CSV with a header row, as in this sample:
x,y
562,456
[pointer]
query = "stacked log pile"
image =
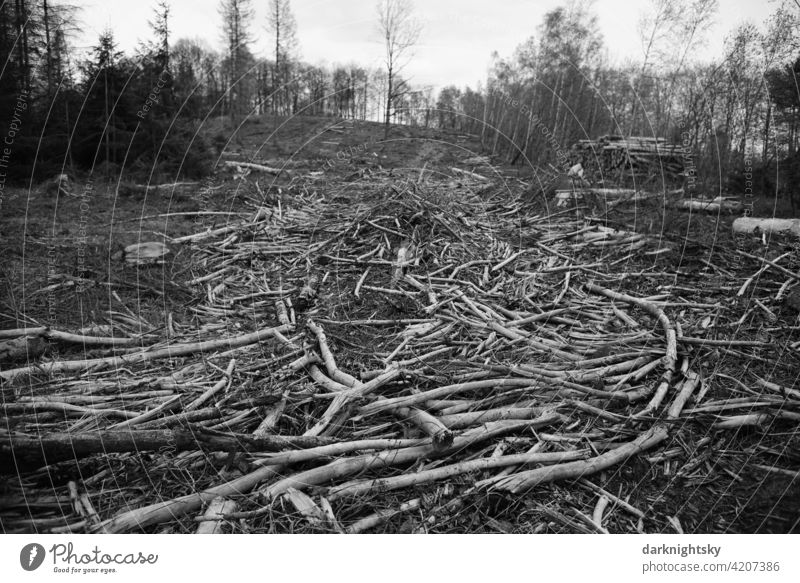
x,y
615,158
398,348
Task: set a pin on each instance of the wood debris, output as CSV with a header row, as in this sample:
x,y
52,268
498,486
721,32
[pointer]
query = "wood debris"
x,y
406,348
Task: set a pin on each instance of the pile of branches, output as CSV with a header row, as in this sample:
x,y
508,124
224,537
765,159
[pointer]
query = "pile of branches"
x,y
388,349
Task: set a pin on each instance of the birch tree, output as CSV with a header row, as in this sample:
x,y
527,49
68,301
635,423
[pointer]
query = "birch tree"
x,y
400,31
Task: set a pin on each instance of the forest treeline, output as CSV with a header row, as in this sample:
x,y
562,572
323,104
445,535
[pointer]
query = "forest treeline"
x,y
143,111
736,116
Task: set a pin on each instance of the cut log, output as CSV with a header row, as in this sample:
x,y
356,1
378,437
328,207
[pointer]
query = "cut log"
x,y
713,205
155,188
526,480
602,192
563,197
55,447
149,253
67,337
173,351
618,156
441,435
751,225
251,166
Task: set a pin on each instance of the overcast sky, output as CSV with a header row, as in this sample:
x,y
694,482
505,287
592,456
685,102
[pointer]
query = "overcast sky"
x,y
455,48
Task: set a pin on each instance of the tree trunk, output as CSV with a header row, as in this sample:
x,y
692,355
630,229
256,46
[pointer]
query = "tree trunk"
x,y
49,57
483,123
387,113
55,447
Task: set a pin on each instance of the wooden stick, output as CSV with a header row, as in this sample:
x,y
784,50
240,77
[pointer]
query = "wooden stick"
x,y
218,386
440,434
528,479
172,351
211,523
345,397
461,420
446,391
393,457
67,337
251,166
382,516
599,509
327,357
689,385
163,511
360,487
671,337
54,447
617,500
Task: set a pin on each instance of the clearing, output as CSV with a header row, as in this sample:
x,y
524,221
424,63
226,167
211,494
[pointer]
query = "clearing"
x,y
391,335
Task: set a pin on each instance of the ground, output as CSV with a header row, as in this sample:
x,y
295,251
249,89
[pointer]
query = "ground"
x,y
487,249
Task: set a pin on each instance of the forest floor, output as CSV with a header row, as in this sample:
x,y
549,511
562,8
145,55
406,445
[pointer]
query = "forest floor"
x,y
425,317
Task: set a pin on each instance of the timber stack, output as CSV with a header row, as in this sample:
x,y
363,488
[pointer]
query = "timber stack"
x,y
616,158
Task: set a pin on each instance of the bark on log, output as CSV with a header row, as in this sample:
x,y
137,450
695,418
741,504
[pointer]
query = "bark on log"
x,y
564,197
429,425
526,480
172,351
217,507
55,447
601,192
257,167
68,337
711,206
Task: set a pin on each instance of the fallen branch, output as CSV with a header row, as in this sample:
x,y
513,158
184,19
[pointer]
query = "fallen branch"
x,y
393,457
361,487
54,447
173,351
714,205
439,433
469,174
67,337
382,516
251,166
211,523
523,481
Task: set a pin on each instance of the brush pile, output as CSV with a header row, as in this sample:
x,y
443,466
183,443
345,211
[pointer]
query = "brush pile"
x,y
405,356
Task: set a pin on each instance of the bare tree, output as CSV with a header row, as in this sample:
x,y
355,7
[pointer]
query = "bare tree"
x,y
282,26
236,18
400,31
669,32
